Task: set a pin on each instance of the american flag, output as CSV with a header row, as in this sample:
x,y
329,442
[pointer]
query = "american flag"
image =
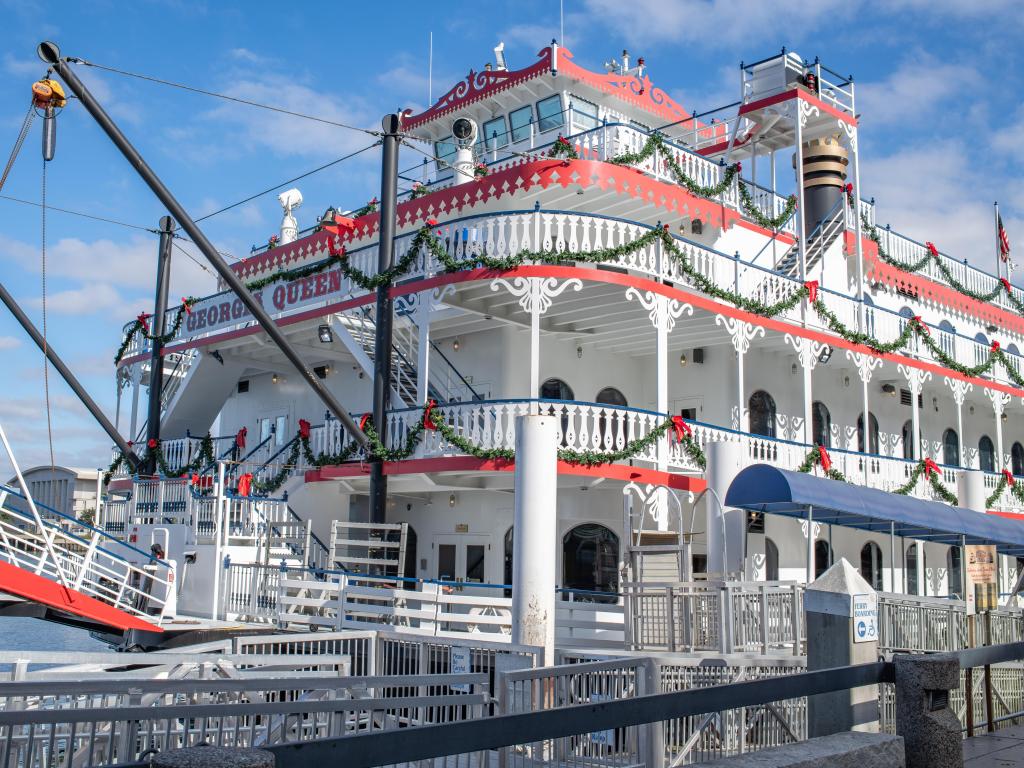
x,y
1004,240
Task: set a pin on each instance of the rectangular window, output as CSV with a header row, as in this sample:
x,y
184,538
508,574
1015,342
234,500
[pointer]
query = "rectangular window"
x,y
495,135
520,121
549,113
444,151
475,562
280,427
584,115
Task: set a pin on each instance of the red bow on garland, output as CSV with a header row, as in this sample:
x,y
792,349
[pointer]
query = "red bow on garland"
x,y
920,325
362,421
245,484
825,459
739,167
428,422
681,428
932,249
195,480
431,222
995,346
240,437
151,443
1006,284
929,467
848,188
1009,477
188,307
812,291
303,429
131,443
143,320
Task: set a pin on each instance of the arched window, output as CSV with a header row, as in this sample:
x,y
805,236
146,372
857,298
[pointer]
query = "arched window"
x,y
951,448
556,389
590,561
955,577
986,454
771,560
873,444
762,414
611,396
910,566
821,427
822,557
908,439
1017,459
508,561
871,565
947,337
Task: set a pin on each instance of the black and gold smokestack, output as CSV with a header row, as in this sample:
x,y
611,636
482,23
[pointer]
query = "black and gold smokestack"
x,y
825,162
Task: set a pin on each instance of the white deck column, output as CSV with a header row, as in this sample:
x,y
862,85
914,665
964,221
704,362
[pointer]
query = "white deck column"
x,y
742,334
959,389
423,313
533,549
916,379
136,386
999,401
725,528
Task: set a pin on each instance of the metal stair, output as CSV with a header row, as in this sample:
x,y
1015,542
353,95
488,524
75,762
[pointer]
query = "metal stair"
x,y
818,242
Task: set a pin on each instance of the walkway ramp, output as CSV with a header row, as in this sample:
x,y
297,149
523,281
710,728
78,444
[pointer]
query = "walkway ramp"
x,y
58,561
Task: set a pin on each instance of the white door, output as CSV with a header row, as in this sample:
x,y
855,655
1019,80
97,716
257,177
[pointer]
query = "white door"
x,y
460,558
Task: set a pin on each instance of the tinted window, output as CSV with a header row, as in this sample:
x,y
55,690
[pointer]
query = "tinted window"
x,y
549,113
520,121
584,114
444,151
495,135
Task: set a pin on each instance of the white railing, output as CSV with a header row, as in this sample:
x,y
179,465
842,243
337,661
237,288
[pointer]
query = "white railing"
x,y
87,560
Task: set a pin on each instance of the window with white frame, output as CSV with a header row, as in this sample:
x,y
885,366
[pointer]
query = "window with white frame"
x,y
584,115
549,113
520,121
444,151
495,135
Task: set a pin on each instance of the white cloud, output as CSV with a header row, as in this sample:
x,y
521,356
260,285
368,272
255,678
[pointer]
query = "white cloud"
x,y
90,299
9,342
710,23
915,91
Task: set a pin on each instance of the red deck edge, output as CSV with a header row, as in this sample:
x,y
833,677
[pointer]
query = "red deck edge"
x,y
471,463
38,589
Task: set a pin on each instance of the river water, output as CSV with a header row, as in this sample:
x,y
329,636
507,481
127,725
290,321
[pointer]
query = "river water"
x,y
20,634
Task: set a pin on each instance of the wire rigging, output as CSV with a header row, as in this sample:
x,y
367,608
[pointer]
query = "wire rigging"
x,y
215,94
289,181
46,344
25,125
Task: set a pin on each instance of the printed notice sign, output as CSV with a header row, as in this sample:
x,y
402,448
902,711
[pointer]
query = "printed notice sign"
x,y
460,666
981,563
604,738
865,618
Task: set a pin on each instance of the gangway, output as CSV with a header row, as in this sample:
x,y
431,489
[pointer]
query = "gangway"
x,y
71,567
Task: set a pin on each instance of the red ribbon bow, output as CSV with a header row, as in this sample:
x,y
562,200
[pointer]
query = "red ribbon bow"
x,y
303,429
428,422
143,319
151,443
334,250
431,222
1009,477
195,480
929,467
932,249
919,323
812,291
681,428
849,188
245,484
131,443
185,303
739,167
826,460
240,437
1006,284
362,421
995,346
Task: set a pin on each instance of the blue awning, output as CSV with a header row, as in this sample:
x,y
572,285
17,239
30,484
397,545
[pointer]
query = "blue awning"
x,y
764,488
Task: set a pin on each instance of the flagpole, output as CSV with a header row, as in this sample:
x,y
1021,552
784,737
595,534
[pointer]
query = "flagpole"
x,y
999,253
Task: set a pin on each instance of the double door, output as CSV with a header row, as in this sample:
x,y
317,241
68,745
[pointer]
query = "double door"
x,y
461,558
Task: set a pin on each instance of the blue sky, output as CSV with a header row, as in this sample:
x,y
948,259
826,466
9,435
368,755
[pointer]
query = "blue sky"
x,y
938,89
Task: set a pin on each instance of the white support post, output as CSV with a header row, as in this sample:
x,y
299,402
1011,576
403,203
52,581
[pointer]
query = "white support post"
x,y
533,551
808,353
916,379
866,365
999,401
423,314
218,528
775,240
136,386
725,528
959,389
810,544
742,334
800,204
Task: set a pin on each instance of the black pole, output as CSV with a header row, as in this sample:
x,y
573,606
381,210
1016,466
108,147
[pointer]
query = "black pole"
x,y
68,376
383,341
156,360
50,53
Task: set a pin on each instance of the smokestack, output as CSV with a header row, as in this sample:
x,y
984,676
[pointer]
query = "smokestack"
x,y
825,162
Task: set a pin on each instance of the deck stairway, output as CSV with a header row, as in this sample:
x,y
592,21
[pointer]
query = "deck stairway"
x,y
52,559
818,243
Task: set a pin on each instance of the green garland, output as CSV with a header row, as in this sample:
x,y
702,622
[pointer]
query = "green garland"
x,y
768,222
203,459
116,464
274,482
865,339
370,207
813,459
933,478
418,190
657,142
1017,489
379,451
562,148
388,276
163,338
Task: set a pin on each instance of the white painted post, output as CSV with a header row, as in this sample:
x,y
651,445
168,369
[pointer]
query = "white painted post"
x,y
423,313
136,386
533,552
725,528
218,512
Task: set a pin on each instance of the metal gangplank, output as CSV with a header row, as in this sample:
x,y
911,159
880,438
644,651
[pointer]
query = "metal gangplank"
x,y
55,560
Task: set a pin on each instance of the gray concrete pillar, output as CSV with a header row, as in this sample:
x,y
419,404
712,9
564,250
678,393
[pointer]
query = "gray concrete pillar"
x,y
930,729
842,629
214,757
